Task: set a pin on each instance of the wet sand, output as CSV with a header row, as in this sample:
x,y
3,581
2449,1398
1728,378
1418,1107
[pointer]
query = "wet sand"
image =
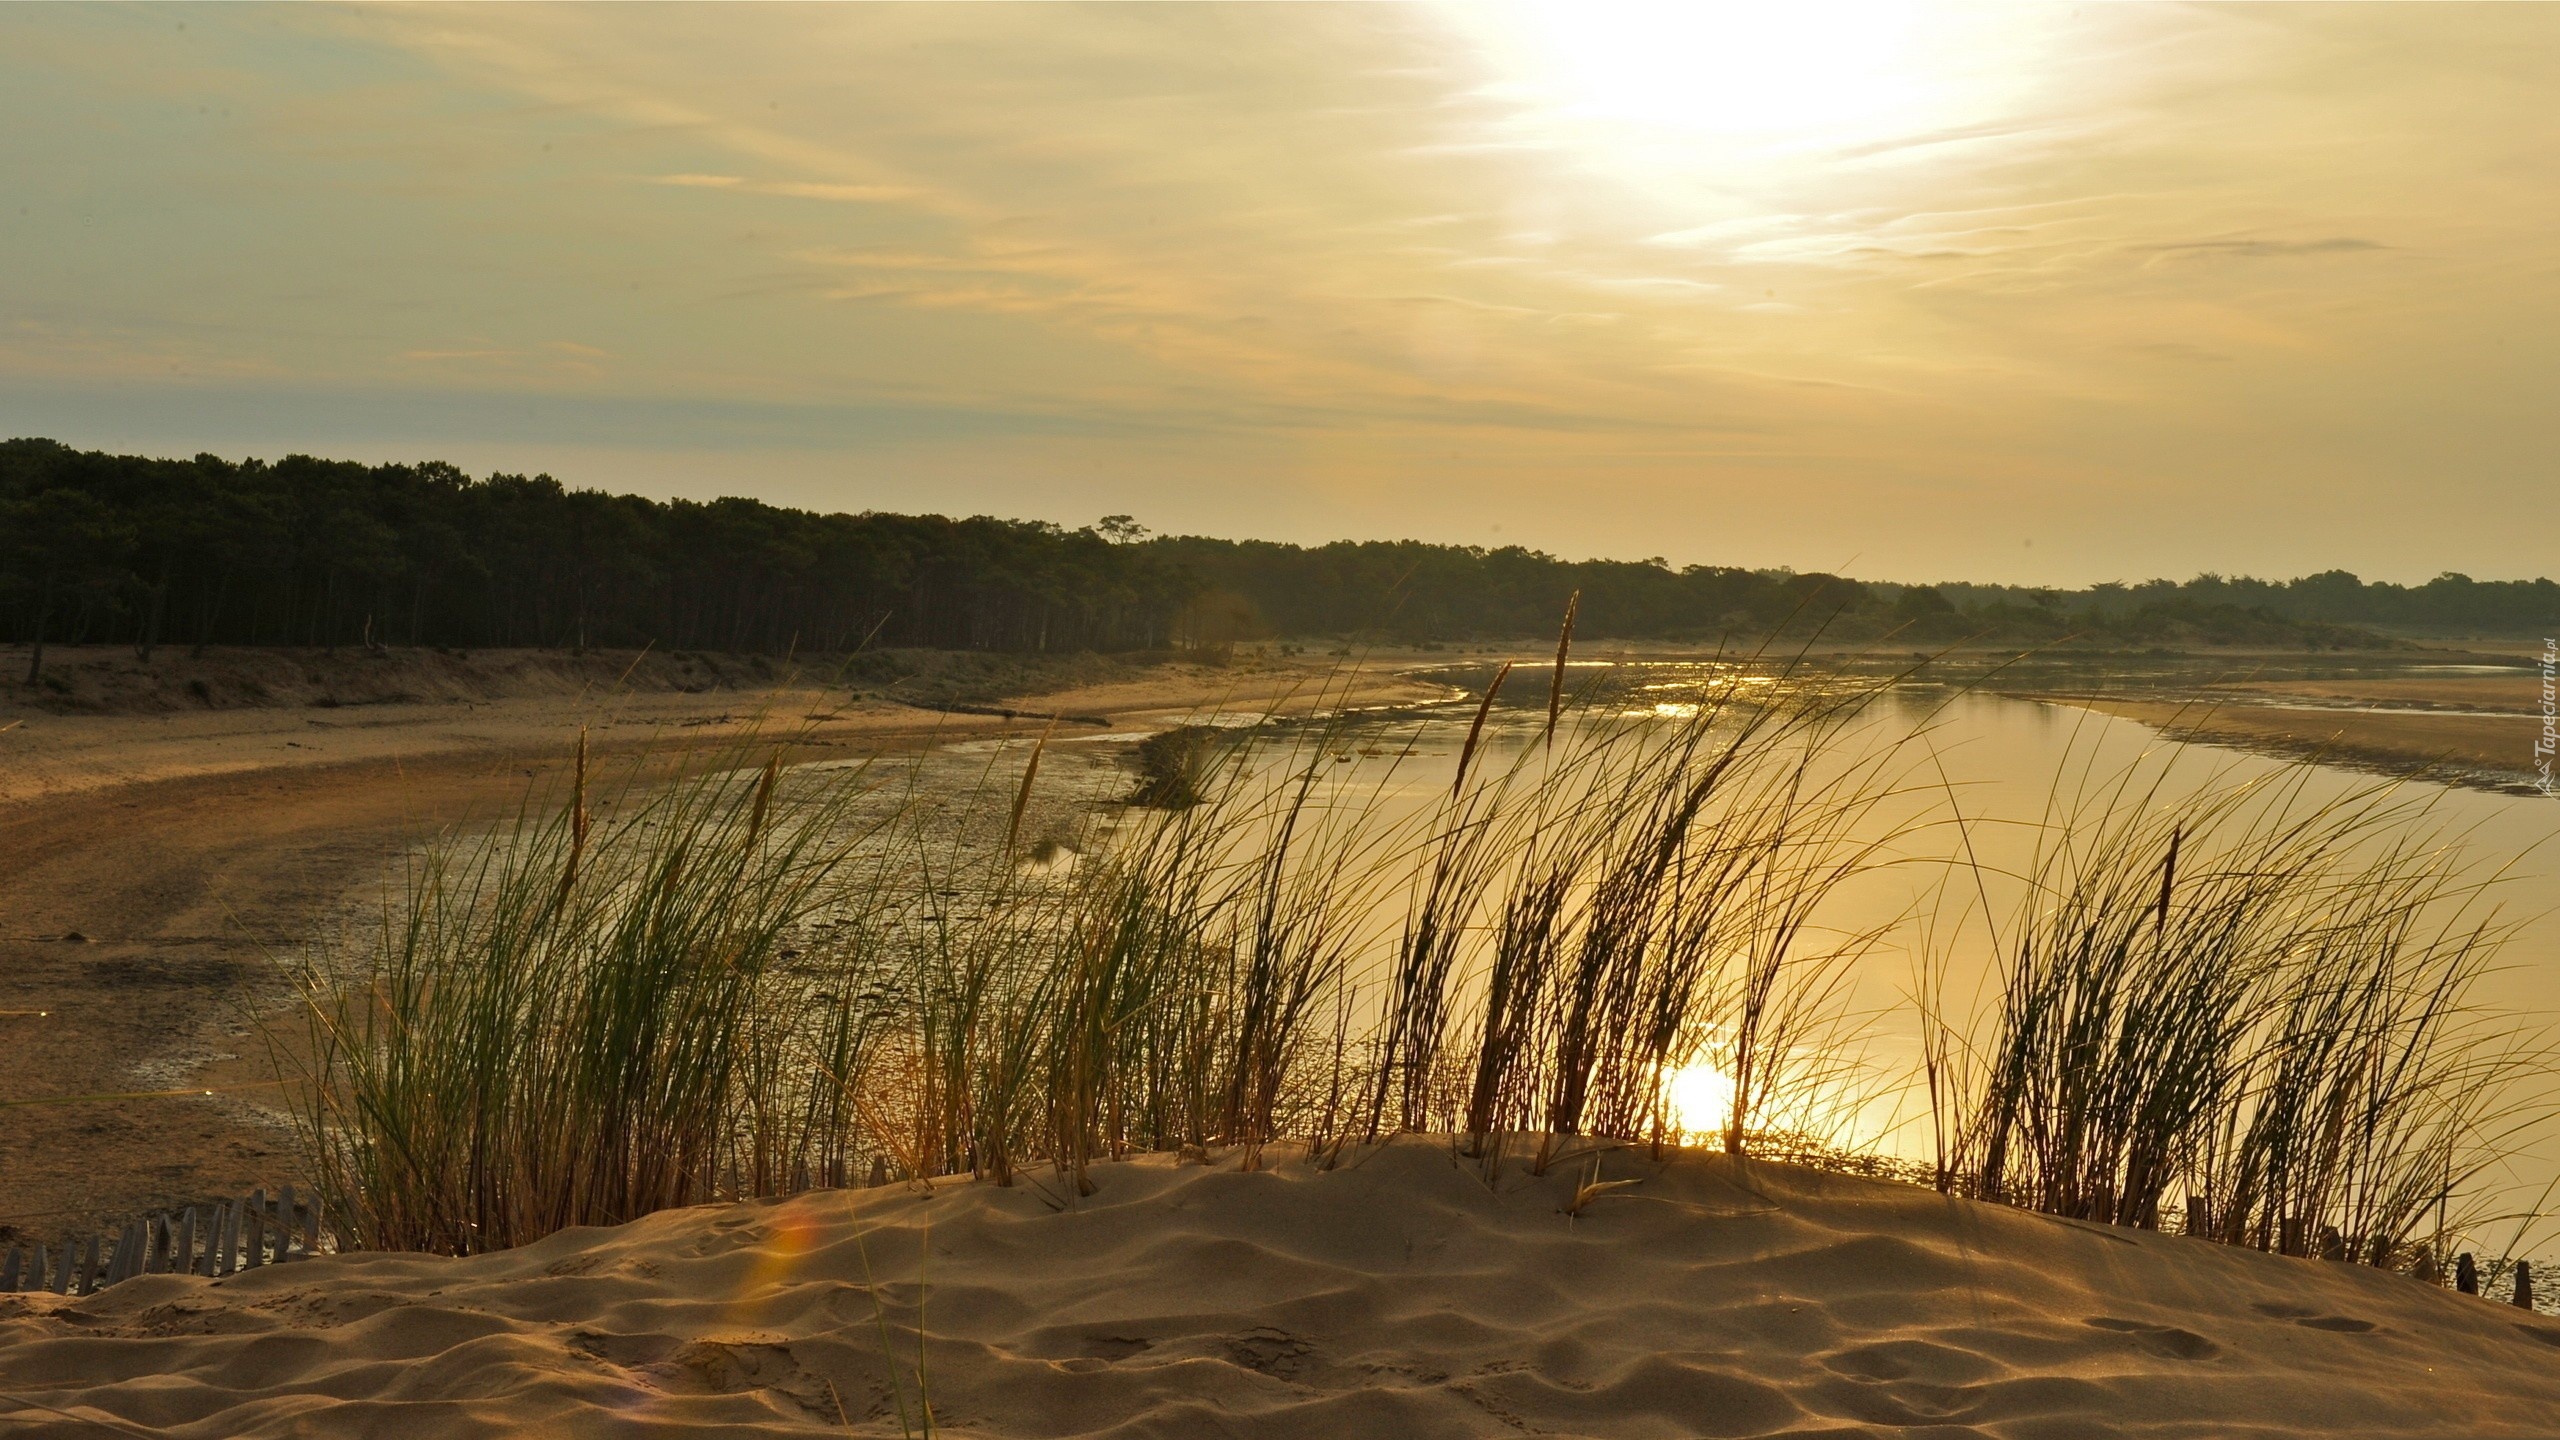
x,y
2473,729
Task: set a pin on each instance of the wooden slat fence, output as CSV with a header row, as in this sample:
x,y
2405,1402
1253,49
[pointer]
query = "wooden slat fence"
x,y
219,1239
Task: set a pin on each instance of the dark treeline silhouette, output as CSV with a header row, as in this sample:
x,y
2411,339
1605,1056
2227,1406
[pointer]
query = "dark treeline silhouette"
x,y
107,548
1409,590
98,548
1415,591
2450,602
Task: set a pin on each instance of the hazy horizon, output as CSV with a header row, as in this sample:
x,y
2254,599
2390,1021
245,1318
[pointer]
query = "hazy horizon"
x,y
2035,294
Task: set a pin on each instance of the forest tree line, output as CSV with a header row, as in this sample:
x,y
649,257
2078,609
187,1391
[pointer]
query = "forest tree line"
x,y
126,549
1413,591
99,548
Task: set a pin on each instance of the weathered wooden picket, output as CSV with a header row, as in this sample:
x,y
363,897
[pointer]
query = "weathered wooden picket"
x,y
219,1239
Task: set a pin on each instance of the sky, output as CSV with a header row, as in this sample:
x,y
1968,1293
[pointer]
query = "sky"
x,y
2045,293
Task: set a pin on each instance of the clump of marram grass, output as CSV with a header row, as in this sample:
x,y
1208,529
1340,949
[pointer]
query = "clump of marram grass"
x,y
2245,1012
592,1019
1658,912
1174,987
1216,975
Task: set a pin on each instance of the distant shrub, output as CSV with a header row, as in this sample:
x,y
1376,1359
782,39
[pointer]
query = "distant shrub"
x,y
1174,766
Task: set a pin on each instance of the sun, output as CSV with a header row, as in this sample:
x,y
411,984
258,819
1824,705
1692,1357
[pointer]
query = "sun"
x,y
1699,1097
1738,70
1714,83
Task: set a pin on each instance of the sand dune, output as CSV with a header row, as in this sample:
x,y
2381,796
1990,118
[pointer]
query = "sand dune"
x,y
1397,1297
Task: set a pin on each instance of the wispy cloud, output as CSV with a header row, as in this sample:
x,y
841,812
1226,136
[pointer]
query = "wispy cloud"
x,y
794,189
2266,249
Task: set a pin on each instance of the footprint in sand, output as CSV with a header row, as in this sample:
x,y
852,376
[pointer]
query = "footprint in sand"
x,y
2313,1319
1913,1360
2166,1340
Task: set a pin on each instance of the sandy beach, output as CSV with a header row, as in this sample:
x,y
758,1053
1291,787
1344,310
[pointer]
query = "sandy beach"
x,y
1401,1295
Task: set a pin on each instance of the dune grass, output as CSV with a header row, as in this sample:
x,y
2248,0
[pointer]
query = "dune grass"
x,y
591,1020
2222,1008
2229,1007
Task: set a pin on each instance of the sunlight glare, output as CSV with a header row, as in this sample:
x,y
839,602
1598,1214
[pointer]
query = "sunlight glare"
x,y
1648,81
1732,69
1700,1098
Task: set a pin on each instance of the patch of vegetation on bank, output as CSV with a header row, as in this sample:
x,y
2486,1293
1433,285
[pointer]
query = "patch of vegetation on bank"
x,y
1175,766
112,680
979,677
105,680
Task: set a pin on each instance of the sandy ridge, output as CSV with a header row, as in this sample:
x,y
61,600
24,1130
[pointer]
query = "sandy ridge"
x,y
1400,1296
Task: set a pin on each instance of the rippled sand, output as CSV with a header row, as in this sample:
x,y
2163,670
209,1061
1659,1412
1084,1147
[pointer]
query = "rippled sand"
x,y
1399,1296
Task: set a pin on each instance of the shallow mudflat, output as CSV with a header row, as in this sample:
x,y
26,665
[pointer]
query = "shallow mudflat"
x,y
1398,1296
2478,728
